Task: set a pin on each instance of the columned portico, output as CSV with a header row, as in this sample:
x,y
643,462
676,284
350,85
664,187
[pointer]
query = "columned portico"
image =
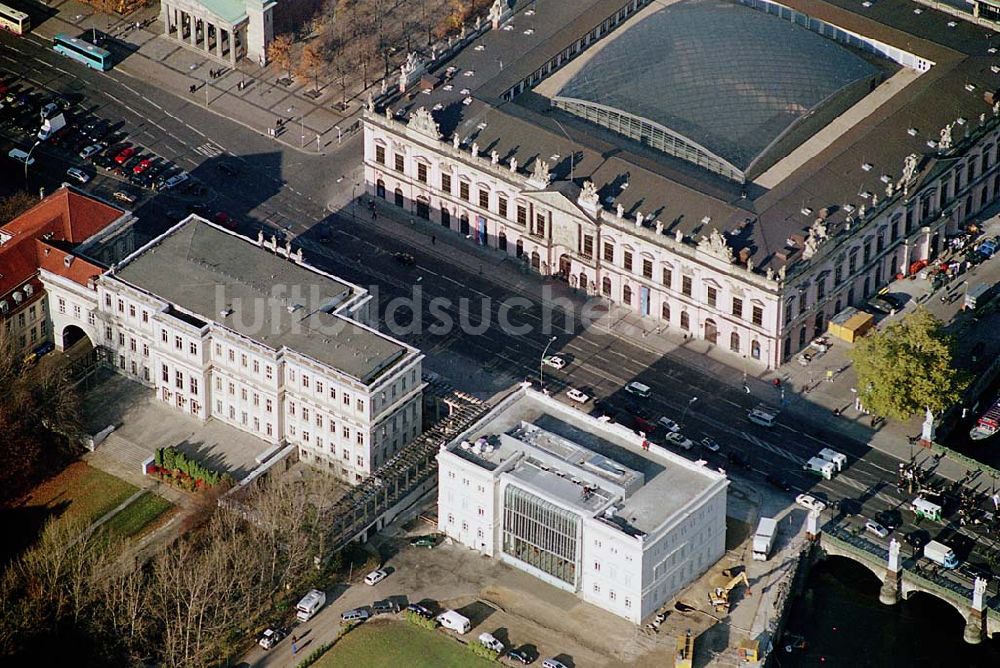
x,y
223,30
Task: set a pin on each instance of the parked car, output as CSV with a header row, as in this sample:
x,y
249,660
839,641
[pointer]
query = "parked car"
x,y
778,482
50,110
553,663
680,440
271,637
555,362
810,502
710,444
521,655
142,166
375,577
355,615
668,424
90,151
489,641
577,396
427,541
418,609
123,196
871,526
77,175
385,607
125,154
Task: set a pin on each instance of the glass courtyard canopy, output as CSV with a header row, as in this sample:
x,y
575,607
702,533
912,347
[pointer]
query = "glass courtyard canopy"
x,y
716,83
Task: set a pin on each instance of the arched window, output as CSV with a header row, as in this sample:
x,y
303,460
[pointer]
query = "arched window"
x,y
665,312
685,321
398,196
463,224
519,248
802,336
536,261
755,350
502,240
445,217
380,188
819,324
423,208
583,281
626,294
734,342
787,352
606,286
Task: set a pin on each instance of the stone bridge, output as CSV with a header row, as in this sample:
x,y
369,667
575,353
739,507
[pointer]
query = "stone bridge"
x,y
900,580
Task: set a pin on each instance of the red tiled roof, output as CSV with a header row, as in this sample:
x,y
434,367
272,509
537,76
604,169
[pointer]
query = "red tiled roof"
x,y
65,214
53,260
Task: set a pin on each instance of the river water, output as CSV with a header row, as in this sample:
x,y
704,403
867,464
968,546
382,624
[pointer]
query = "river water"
x,y
844,624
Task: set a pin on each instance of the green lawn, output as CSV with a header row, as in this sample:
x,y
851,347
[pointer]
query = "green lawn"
x,y
396,644
81,491
137,515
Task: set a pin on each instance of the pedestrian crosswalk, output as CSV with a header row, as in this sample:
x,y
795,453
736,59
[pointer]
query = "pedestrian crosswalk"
x,y
210,150
781,452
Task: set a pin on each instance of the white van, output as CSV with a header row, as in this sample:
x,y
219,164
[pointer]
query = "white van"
x,y
838,459
310,605
454,621
924,508
488,641
763,415
638,389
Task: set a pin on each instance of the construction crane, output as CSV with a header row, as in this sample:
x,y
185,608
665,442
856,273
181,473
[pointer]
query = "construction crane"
x,y
685,651
720,596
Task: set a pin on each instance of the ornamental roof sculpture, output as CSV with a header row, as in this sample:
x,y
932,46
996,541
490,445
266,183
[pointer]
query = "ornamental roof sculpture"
x,y
422,121
715,244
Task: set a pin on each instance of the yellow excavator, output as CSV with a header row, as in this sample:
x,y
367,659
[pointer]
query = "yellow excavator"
x,y
685,651
720,596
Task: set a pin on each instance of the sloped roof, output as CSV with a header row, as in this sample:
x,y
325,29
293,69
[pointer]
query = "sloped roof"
x,y
66,215
54,260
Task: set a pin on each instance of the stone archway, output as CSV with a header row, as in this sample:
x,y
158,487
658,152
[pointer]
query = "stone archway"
x,y
71,335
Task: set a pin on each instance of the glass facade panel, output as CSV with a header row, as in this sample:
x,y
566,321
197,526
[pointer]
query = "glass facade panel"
x,y
541,534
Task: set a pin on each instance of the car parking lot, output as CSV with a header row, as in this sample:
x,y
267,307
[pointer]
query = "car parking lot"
x,y
516,608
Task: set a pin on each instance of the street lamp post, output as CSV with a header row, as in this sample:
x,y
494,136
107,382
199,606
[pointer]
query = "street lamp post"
x,y
27,161
302,130
541,364
684,414
354,201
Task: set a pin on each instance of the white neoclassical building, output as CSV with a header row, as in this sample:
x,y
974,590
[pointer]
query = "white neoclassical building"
x,y
590,151
249,334
225,30
581,504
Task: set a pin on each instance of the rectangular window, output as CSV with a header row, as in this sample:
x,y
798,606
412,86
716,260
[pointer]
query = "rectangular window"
x,y
446,183
179,380
305,381
609,252
758,316
121,338
131,344
540,224
647,268
361,405
588,246
131,310
522,215
256,366
421,172
502,206
667,278
76,311
268,406
268,372
145,316
737,307
121,306
62,305
347,399
627,260
484,199
686,285
193,348
463,190
319,387
194,385
163,336
399,162
712,295
145,350
243,361
380,155
178,343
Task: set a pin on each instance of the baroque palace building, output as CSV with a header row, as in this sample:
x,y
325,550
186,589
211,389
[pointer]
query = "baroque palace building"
x,y
740,171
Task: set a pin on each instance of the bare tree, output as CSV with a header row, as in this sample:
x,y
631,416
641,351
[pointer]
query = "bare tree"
x,y
15,204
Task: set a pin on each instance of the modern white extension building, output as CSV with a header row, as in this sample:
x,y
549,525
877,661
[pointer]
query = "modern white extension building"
x,y
739,171
249,334
581,504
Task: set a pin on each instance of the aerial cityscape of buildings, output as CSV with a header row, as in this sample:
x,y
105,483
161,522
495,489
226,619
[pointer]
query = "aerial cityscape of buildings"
x,y
594,333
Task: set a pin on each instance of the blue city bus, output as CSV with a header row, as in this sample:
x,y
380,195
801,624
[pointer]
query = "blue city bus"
x,y
93,57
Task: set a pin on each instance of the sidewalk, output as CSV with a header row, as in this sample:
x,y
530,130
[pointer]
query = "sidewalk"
x,y
310,125
806,390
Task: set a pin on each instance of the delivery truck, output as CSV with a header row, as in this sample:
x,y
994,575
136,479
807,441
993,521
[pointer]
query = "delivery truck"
x,y
763,539
820,467
940,554
51,125
838,459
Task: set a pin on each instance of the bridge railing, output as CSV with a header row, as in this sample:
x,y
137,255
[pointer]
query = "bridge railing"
x,y
939,589
859,546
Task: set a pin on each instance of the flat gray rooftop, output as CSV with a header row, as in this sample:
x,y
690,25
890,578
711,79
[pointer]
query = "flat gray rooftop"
x,y
670,481
229,280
